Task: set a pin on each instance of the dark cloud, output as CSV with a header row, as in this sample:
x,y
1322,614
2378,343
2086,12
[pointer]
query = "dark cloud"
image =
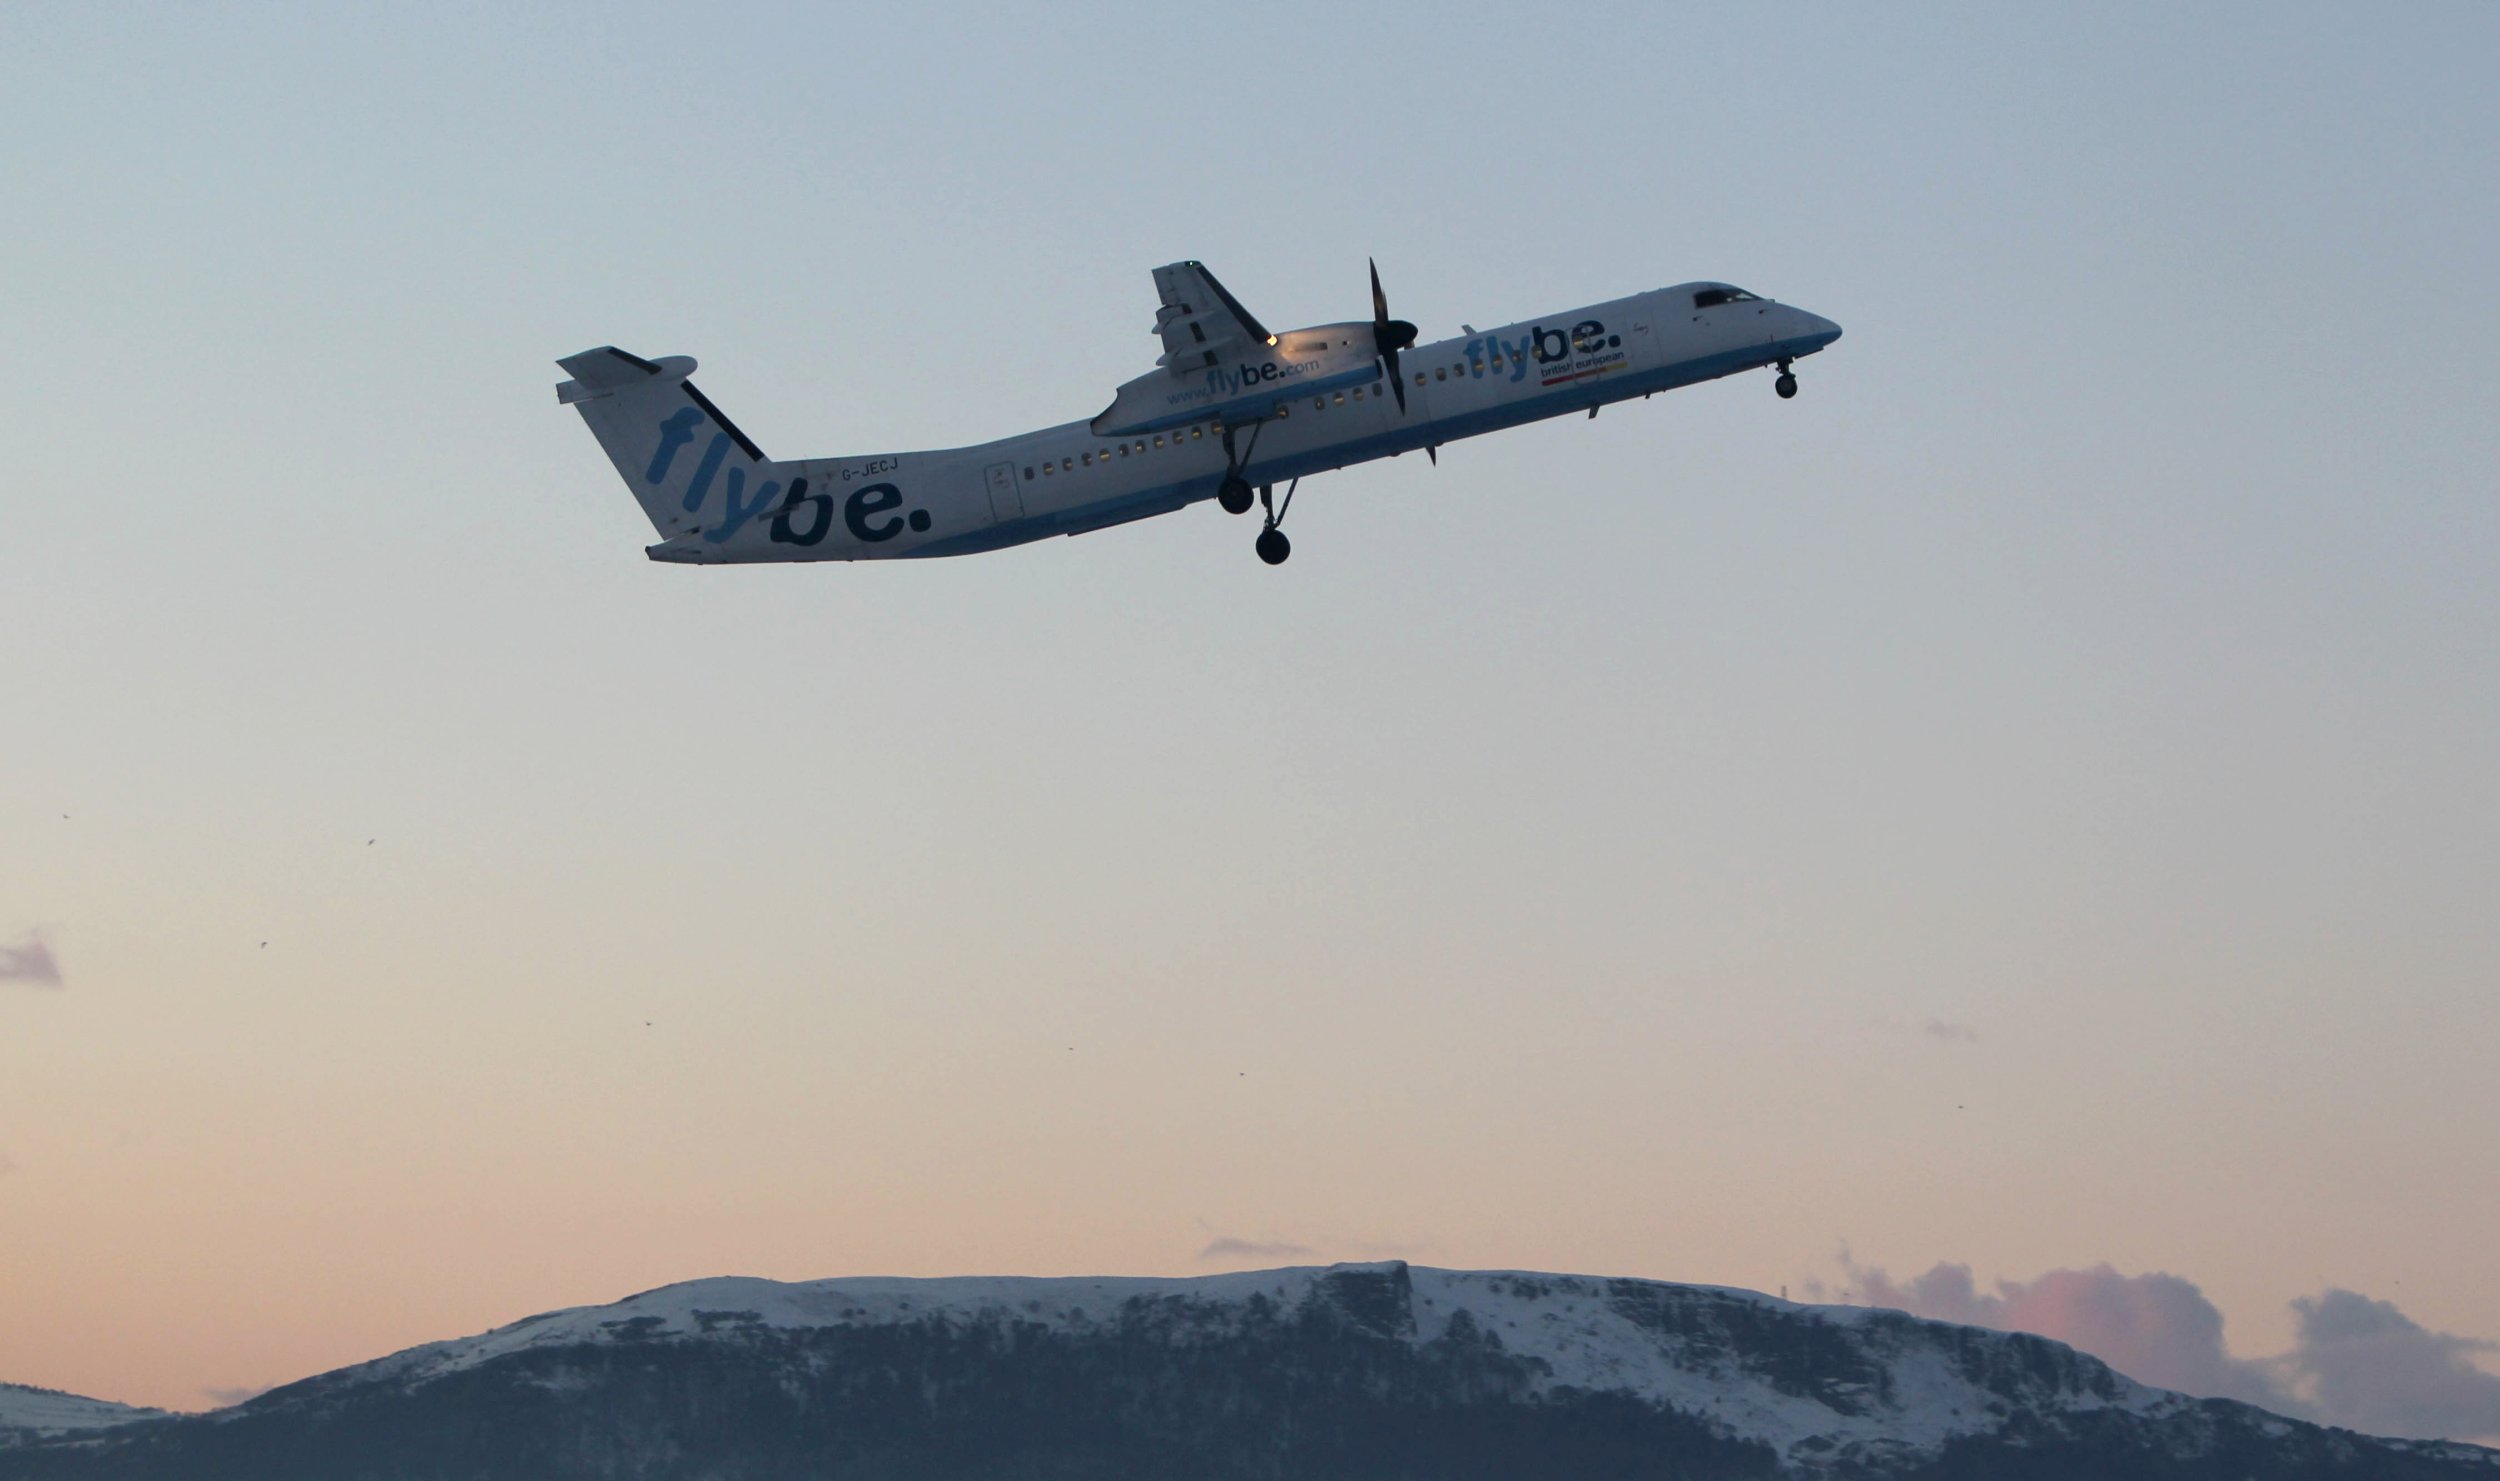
x,y
1942,1030
2358,1362
1225,1247
2372,1368
32,962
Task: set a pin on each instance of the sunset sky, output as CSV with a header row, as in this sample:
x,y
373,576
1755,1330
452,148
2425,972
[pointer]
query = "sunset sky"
x,y
2028,803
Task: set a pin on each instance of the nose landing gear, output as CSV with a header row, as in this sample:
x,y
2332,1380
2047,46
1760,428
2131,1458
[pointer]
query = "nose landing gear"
x,y
1786,385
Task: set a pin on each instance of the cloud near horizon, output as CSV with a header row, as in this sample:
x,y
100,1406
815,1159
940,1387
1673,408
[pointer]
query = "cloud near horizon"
x,y
2357,1362
1226,1247
2375,1368
33,962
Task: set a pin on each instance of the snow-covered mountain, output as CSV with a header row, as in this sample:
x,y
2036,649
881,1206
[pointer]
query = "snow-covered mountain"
x,y
42,1413
1369,1371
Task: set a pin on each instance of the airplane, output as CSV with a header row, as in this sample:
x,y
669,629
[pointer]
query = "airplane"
x,y
1230,407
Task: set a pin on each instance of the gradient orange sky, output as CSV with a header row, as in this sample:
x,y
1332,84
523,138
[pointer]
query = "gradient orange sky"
x,y
2027,802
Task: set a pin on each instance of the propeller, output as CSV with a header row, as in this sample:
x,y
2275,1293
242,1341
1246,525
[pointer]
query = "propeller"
x,y
1388,337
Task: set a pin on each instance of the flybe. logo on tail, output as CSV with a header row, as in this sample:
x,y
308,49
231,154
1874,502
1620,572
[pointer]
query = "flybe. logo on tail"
x,y
802,518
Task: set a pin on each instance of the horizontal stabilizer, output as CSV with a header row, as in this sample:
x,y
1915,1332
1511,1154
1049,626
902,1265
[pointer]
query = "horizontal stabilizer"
x,y
607,369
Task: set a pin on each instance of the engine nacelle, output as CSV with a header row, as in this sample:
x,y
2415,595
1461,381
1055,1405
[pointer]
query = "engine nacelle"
x,y
1245,387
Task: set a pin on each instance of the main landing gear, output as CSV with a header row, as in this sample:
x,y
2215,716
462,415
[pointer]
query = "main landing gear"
x,y
1273,546
1786,385
1233,495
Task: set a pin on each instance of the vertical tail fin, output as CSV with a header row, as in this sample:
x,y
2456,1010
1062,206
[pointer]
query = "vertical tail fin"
x,y
695,474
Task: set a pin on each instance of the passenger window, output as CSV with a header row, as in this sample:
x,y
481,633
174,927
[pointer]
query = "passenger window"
x,y
1141,444
1086,458
1158,439
1124,449
1358,393
1341,398
1067,465
1028,473
1319,403
1049,468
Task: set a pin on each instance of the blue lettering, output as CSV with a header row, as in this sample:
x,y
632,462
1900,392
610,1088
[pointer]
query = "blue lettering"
x,y
785,533
876,498
704,470
738,514
1516,352
675,433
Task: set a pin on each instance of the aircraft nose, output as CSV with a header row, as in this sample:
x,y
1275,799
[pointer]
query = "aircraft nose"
x,y
1819,327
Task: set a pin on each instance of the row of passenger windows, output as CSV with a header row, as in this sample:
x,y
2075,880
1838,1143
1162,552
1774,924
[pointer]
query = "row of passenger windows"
x,y
1142,445
1123,449
1472,367
1070,464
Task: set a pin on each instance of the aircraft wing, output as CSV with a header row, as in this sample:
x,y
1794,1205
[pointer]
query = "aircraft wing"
x,y
1200,323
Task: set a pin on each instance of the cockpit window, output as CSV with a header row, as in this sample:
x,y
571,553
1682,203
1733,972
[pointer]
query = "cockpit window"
x,y
1713,297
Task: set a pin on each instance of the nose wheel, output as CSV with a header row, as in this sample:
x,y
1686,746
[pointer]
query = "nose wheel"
x,y
1786,385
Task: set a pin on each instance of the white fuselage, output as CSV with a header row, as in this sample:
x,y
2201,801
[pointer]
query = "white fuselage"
x,y
1068,479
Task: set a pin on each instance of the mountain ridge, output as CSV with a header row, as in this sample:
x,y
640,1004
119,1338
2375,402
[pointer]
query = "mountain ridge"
x,y
1308,1372
30,1413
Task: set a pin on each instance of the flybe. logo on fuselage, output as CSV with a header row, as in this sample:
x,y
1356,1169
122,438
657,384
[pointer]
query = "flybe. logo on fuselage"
x,y
1555,354
801,518
1224,382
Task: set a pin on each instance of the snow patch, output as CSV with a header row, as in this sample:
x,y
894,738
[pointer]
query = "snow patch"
x,y
43,1413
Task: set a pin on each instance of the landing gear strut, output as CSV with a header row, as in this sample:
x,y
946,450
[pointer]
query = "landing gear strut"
x,y
1233,494
1786,385
1273,546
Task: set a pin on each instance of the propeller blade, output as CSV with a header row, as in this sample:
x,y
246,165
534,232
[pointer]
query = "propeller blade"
x,y
1389,335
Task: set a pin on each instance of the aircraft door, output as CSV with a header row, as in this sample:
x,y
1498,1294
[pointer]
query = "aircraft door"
x,y
1006,500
